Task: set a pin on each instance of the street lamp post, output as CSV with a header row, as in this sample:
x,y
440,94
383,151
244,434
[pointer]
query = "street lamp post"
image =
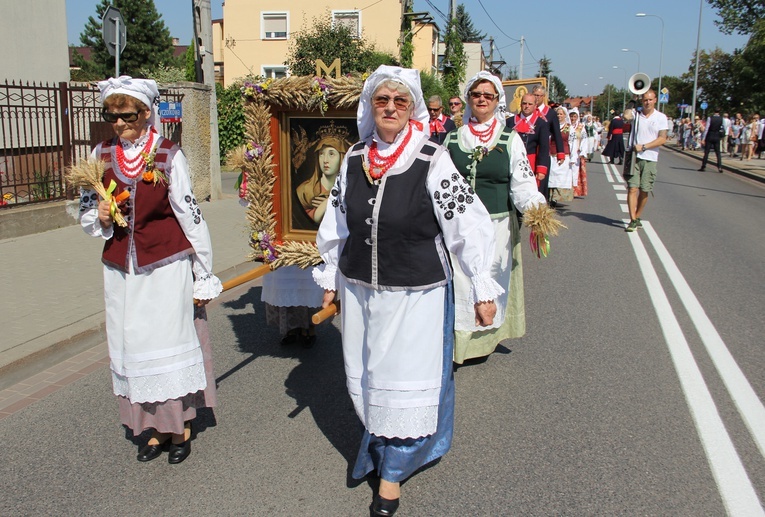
x,y
696,72
661,51
636,52
624,92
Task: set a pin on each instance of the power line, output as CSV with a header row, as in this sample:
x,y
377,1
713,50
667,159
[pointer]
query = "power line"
x,y
446,18
495,24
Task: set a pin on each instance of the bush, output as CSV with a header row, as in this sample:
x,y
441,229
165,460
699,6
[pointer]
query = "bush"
x,y
230,118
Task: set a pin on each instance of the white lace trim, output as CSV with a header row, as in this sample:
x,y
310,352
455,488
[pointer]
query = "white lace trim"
x,y
484,288
158,388
390,422
326,276
207,288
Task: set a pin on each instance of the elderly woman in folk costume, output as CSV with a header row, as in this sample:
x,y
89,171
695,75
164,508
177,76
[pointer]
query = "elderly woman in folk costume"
x,y
562,175
398,207
494,162
157,272
578,153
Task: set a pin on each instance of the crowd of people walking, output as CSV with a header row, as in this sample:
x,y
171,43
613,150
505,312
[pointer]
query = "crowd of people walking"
x,y
420,237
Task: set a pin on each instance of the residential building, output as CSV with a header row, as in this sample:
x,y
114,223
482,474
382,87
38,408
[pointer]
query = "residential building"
x,y
255,35
33,39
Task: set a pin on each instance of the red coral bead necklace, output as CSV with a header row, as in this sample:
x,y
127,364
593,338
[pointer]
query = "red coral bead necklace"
x,y
131,168
379,165
485,135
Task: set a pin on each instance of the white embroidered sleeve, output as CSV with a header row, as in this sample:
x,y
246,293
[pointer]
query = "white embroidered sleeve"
x,y
523,185
465,225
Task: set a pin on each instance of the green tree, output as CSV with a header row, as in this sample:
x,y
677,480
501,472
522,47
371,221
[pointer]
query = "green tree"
x,y
148,40
749,70
323,41
468,33
556,88
738,15
432,85
717,79
455,59
230,117
190,62
680,92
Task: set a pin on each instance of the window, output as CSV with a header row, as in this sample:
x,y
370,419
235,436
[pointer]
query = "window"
x,y
274,25
274,71
350,19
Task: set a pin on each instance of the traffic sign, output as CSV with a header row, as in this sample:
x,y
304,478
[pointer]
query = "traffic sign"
x,y
663,97
114,31
704,105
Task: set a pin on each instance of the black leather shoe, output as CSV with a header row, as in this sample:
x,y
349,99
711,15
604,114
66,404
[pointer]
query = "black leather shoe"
x,y
150,452
179,452
701,169
720,171
384,507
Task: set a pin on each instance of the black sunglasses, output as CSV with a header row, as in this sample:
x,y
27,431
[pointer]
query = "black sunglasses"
x,y
485,95
113,117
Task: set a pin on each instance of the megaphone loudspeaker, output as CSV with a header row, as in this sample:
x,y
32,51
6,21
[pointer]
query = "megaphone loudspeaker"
x,y
639,83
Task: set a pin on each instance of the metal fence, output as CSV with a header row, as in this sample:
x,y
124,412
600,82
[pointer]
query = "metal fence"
x,y
45,128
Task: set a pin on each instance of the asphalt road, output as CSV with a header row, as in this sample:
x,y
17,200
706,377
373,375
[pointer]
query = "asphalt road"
x,y
636,390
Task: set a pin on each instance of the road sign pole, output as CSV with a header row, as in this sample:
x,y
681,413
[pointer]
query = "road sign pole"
x,y
117,47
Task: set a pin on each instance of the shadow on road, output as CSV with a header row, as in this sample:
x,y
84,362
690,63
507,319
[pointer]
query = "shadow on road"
x,y
317,383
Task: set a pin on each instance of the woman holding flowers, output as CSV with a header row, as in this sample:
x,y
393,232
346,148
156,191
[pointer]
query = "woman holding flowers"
x,y
398,206
157,273
493,160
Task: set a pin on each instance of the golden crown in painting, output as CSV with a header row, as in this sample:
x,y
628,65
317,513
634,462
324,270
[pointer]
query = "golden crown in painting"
x,y
332,130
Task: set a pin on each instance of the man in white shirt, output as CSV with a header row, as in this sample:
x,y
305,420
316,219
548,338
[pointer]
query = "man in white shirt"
x,y
649,132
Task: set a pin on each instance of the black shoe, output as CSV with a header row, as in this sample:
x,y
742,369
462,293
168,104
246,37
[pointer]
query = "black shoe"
x,y
179,452
384,507
701,169
150,452
292,337
720,171
307,340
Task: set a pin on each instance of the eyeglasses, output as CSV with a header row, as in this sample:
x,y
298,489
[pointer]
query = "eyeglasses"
x,y
455,104
429,109
113,117
486,95
401,103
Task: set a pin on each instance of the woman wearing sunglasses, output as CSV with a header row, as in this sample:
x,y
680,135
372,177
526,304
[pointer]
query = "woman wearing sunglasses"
x,y
157,274
493,160
397,208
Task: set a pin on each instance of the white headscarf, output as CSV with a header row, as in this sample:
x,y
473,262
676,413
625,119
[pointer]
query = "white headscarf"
x,y
480,76
145,90
568,119
578,118
410,78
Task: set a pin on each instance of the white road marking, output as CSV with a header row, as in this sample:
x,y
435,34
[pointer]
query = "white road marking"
x,y
625,208
621,197
748,403
618,186
736,490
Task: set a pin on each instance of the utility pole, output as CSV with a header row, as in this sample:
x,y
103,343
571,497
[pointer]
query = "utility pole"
x,y
206,75
520,67
491,54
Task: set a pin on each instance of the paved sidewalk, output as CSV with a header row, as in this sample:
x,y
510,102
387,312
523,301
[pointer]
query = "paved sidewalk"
x,y
51,306
752,169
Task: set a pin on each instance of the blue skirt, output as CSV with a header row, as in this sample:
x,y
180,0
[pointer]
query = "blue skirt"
x,y
395,459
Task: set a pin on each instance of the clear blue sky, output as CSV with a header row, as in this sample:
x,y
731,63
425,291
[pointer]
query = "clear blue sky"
x,y
582,39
